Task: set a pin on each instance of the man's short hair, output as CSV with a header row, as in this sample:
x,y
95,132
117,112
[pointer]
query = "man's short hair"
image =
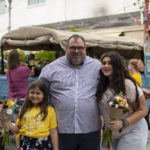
x,y
75,36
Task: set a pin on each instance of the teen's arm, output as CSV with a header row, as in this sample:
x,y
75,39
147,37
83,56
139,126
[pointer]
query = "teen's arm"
x,y
146,93
140,112
54,138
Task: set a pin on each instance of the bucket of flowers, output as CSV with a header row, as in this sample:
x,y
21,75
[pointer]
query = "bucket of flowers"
x,y
117,105
6,110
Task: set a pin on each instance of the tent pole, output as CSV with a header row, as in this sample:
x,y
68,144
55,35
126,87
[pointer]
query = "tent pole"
x,y
2,60
58,48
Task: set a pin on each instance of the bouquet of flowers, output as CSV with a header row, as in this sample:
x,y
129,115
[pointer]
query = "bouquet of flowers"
x,y
117,106
6,109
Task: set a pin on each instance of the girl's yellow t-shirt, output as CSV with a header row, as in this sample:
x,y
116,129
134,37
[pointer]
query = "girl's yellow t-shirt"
x,y
31,125
137,77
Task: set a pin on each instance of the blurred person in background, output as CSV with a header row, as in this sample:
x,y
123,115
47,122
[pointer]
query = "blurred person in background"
x,y
17,77
135,67
33,65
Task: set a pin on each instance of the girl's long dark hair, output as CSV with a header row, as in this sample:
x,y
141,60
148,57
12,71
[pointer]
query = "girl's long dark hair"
x,y
43,105
119,74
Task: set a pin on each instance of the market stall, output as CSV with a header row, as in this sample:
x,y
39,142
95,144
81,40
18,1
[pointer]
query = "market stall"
x,y
39,38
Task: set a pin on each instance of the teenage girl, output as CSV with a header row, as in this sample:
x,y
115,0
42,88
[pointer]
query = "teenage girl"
x,y
36,125
130,130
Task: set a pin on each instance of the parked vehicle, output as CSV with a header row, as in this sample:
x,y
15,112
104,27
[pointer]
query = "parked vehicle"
x,y
38,38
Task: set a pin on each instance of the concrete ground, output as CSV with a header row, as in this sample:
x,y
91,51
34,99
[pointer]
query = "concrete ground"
x,y
13,147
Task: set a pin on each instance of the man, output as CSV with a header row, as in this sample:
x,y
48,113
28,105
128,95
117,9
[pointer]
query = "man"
x,y
72,82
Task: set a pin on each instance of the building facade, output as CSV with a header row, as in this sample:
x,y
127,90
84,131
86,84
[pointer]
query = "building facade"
x,y
38,12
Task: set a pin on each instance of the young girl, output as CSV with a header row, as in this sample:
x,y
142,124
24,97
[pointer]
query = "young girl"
x,y
115,78
36,123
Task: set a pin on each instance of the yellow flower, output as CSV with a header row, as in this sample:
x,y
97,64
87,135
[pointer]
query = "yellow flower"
x,y
120,98
9,102
36,63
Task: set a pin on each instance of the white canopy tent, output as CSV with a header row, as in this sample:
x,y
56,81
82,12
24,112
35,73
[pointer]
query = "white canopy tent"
x,y
39,38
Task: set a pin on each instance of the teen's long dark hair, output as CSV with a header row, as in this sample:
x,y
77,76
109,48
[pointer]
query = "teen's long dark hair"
x,y
43,105
119,74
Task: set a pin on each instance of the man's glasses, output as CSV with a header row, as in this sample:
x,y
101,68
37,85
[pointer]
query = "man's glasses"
x,y
73,48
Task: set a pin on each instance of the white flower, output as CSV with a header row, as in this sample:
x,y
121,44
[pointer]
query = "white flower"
x,y
9,111
117,98
126,106
110,103
116,106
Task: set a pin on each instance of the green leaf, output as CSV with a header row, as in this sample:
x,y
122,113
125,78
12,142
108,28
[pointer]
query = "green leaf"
x,y
107,135
6,139
134,4
13,107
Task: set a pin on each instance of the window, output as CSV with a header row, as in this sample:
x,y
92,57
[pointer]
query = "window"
x,y
32,2
2,6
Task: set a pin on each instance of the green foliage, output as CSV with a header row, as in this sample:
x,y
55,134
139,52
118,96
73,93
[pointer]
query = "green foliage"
x,y
41,55
45,55
5,54
22,54
72,29
140,4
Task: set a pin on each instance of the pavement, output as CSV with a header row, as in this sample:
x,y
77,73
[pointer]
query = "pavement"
x,y
13,147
